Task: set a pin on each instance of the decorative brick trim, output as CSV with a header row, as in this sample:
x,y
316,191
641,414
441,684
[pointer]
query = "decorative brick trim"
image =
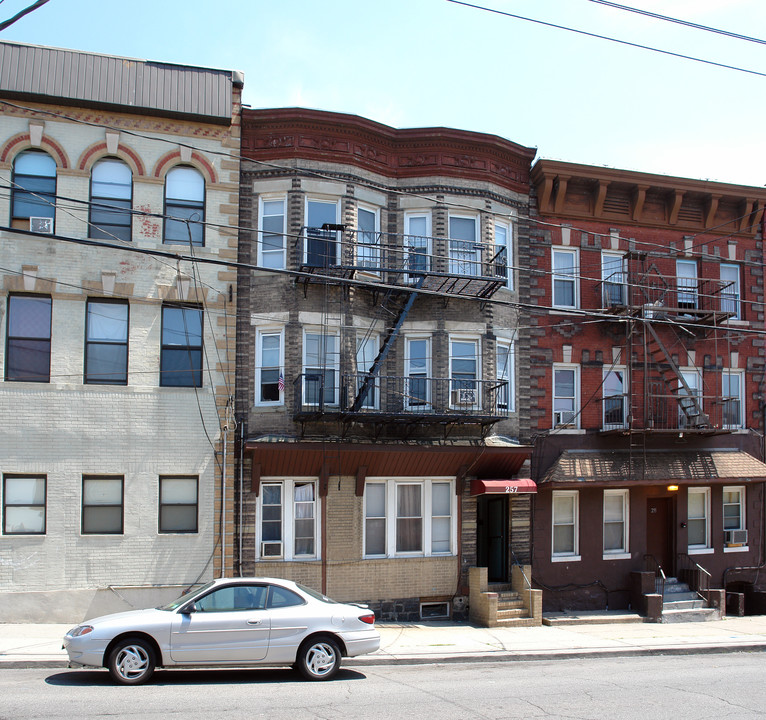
x,y
21,142
167,161
95,152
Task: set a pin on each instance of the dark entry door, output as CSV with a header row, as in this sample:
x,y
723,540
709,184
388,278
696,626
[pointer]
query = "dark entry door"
x,y
492,536
659,536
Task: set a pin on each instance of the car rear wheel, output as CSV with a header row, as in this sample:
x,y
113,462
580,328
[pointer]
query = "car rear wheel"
x,y
131,661
319,659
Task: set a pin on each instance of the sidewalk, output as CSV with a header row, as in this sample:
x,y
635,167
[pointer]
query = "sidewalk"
x,y
429,642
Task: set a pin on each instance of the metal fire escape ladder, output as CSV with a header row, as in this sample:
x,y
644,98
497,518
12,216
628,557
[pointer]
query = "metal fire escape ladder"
x,y
391,336
688,402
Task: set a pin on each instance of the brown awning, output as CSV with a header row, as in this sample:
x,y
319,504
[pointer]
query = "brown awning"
x,y
685,467
496,487
322,460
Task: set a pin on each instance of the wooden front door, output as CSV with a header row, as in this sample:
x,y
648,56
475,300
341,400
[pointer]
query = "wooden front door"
x,y
492,536
659,532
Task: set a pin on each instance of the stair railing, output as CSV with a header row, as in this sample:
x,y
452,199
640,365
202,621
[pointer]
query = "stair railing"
x,y
526,580
652,565
695,576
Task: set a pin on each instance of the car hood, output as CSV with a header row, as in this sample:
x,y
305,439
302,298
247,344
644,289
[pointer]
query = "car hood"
x,y
132,619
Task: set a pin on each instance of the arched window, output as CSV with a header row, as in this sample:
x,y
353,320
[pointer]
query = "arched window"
x,y
111,200
184,200
33,190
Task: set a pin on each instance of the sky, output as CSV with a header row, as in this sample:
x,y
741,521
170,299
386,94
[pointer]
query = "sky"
x,y
427,63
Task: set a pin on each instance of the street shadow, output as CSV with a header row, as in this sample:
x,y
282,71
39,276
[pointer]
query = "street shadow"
x,y
98,678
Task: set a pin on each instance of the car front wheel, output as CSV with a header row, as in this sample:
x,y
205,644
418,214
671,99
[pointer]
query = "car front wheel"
x,y
319,659
131,661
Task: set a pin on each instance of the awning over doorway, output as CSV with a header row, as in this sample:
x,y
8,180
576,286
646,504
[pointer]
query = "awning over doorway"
x,y
685,467
502,487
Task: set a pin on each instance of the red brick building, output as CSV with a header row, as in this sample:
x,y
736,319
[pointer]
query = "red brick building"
x,y
647,381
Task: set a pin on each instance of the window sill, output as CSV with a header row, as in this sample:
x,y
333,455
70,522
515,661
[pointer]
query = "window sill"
x,y
568,431
269,406
565,558
700,551
617,556
741,548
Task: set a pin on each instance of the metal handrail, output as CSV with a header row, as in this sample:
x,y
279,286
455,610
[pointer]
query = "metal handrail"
x,y
526,579
699,577
652,564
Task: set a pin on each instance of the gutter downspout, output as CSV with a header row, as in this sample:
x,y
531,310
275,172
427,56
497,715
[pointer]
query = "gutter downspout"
x,y
241,489
223,502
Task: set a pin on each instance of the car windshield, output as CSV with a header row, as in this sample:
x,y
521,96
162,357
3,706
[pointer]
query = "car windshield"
x,y
184,598
317,596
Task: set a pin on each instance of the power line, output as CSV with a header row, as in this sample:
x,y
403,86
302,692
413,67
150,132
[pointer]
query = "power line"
x,y
7,23
607,37
685,23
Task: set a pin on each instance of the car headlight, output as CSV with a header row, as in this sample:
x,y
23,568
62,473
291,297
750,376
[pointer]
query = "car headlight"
x,y
80,630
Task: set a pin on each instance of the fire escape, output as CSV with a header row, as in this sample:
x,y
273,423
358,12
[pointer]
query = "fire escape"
x,y
394,271
669,320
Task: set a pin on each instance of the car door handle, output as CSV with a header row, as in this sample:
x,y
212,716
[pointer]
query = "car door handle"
x,y
253,622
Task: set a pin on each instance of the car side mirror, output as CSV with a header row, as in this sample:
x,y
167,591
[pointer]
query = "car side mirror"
x,y
189,609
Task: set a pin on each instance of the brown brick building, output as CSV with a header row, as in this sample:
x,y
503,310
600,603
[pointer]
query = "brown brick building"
x,y
383,385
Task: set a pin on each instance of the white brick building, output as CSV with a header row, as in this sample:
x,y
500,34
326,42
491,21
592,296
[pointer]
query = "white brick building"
x,y
118,357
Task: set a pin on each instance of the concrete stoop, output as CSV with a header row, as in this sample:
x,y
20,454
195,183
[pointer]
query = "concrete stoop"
x,y
591,617
680,604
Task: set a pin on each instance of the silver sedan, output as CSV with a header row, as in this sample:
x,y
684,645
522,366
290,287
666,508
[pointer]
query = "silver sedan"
x,y
228,622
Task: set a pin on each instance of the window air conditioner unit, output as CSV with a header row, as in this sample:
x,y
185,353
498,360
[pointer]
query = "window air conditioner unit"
x,y
41,225
735,537
563,418
271,549
464,396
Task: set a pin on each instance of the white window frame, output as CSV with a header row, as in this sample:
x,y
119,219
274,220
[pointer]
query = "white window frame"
x,y
624,422
576,400
687,284
572,277
611,277
456,399
623,552
506,226
374,248
731,297
426,485
260,334
288,519
333,235
574,554
735,489
369,345
693,378
262,253
459,262
334,366
408,398
705,492
506,374
409,234
740,375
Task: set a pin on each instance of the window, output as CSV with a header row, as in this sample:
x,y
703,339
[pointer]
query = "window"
x,y
417,390
686,272
566,400
565,279
178,504
33,191
616,522
24,511
368,240
464,373
28,348
287,525
106,343
102,505
506,376
409,517
690,401
503,262
730,294
733,400
321,244
272,245
614,399
320,367
734,508
181,355
367,348
417,243
464,248
269,366
234,598
698,514
184,206
614,289
566,521
111,200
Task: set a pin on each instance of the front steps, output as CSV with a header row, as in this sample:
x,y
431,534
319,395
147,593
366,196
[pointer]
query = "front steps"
x,y
680,604
503,604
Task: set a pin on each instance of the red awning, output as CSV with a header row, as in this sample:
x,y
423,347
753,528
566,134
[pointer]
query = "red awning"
x,y
494,487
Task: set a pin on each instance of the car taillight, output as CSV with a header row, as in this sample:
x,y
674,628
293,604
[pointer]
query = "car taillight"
x,y
369,619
